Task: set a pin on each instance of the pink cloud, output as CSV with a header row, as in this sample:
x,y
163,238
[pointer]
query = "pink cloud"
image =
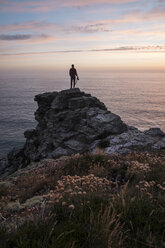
x,y
150,33
79,3
44,6
32,25
87,27
156,14
26,38
107,25
142,49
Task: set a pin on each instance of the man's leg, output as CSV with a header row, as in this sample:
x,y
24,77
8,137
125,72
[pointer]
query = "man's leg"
x,y
74,82
71,82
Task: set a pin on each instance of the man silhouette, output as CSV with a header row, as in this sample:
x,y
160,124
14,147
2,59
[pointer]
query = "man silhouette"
x,y
73,75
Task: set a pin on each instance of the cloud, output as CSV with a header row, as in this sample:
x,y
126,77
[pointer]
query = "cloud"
x,y
24,37
89,28
53,27
143,49
80,3
132,48
116,25
105,25
15,37
49,5
144,34
30,25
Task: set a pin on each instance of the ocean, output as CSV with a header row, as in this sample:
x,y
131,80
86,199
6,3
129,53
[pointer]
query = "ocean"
x,y
139,99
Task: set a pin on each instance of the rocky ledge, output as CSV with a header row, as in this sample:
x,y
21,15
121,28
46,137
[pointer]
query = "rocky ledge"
x,y
72,121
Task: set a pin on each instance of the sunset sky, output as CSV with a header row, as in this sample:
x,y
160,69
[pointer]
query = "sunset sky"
x,y
93,34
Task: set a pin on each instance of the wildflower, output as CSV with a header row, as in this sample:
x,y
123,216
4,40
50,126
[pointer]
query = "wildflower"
x,y
64,203
71,207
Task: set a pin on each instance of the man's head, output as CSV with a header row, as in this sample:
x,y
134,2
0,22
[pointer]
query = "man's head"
x,y
72,66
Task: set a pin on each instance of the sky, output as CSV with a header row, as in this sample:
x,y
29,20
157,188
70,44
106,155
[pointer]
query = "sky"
x,y
92,34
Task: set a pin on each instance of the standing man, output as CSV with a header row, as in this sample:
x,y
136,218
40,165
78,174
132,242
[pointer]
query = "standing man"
x,y
73,75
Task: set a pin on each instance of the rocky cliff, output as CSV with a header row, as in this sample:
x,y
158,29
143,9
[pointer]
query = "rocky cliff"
x,y
72,121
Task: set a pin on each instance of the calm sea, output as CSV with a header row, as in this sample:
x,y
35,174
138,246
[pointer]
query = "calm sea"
x,y
139,98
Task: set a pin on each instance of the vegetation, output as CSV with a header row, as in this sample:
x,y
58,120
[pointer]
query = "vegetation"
x,y
86,201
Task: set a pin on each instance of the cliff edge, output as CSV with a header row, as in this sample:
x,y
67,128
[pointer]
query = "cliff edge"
x,y
72,121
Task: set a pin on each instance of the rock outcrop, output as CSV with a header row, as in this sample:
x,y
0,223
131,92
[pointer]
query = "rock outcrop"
x,y
71,122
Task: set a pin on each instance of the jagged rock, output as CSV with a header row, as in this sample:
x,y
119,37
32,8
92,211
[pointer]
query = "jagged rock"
x,y
155,132
71,122
129,141
160,144
3,165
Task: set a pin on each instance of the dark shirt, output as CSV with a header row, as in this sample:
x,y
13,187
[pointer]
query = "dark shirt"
x,y
73,72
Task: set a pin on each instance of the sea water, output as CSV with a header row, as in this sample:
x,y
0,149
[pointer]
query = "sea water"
x,y
139,99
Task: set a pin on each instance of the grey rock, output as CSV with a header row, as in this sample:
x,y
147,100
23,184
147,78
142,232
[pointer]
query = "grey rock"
x,y
160,144
3,165
76,145
72,121
134,139
155,132
58,152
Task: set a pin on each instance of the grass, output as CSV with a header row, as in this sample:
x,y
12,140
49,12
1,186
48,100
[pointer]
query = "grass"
x,y
89,201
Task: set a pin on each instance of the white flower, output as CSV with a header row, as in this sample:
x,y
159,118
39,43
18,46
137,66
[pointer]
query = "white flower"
x,y
71,207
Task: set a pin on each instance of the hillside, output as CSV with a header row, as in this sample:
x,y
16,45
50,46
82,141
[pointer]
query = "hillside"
x,y
83,179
